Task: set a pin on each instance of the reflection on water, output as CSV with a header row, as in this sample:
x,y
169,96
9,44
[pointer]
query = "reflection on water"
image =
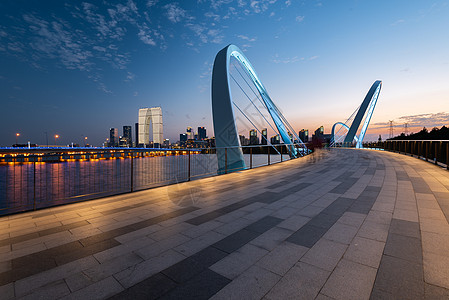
x,y
27,186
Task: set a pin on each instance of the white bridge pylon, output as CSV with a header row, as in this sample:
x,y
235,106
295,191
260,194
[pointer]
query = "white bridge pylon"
x,y
366,110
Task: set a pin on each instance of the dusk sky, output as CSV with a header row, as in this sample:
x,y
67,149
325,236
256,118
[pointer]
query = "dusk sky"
x,y
78,68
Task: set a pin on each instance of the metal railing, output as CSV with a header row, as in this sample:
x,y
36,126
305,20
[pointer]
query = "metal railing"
x,y
436,151
36,178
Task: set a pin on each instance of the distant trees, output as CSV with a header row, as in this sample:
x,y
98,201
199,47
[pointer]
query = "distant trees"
x,y
424,134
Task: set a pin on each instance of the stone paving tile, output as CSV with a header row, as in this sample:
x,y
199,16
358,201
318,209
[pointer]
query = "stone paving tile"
x,y
436,269
282,258
54,290
325,254
238,261
254,283
271,238
365,251
350,280
147,268
7,291
99,290
404,247
399,278
202,286
28,284
303,281
374,231
341,233
435,292
352,219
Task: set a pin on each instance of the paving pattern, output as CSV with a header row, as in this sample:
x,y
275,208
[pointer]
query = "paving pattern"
x,y
341,224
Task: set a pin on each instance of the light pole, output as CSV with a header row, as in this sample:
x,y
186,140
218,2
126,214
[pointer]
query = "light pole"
x,y
17,138
85,141
56,136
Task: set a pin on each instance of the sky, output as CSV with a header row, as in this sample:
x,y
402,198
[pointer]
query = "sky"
x,y
77,68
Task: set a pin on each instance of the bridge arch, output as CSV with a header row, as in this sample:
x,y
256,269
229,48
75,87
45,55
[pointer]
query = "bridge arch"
x,y
226,135
369,103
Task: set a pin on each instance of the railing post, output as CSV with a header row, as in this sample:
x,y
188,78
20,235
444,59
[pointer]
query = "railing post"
x,y
34,183
447,155
427,151
251,157
268,155
188,151
226,162
436,153
132,171
281,153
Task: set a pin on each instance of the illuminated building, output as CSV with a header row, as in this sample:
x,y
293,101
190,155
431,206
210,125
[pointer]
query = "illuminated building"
x,y
304,135
253,139
150,116
201,133
113,137
264,139
127,135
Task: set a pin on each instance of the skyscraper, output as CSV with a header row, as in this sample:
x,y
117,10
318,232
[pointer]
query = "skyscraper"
x,y
136,125
201,133
264,139
127,135
151,116
304,135
253,139
113,137
190,133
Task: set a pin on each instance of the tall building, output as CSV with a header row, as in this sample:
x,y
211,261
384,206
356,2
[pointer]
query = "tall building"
x,y
190,133
264,139
275,139
253,139
150,116
136,125
127,135
304,135
201,133
183,137
113,137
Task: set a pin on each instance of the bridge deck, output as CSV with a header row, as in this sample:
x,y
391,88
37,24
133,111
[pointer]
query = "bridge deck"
x,y
345,224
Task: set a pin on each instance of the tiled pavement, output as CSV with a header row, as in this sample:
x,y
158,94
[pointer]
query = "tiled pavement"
x,y
344,224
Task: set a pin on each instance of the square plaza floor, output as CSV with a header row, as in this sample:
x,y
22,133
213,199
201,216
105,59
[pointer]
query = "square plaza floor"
x,y
339,224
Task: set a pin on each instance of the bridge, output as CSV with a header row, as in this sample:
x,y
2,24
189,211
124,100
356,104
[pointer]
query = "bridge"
x,y
339,224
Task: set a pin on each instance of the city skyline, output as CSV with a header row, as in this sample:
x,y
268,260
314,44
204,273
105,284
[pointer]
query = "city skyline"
x,y
75,70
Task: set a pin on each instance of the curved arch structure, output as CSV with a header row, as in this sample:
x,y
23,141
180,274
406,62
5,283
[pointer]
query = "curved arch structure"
x,y
226,135
368,104
333,131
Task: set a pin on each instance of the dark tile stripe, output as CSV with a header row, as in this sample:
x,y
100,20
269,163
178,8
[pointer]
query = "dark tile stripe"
x,y
26,237
47,259
314,230
265,197
400,274
191,278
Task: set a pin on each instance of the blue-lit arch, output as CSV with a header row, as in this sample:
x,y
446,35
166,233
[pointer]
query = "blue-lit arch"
x,y
226,135
369,104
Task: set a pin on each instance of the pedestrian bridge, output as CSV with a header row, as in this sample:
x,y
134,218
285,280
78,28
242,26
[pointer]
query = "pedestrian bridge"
x,y
344,224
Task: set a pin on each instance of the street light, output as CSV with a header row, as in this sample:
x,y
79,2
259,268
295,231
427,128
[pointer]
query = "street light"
x,y
85,141
17,138
56,136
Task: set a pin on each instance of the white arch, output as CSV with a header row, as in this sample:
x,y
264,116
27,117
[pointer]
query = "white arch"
x,y
151,116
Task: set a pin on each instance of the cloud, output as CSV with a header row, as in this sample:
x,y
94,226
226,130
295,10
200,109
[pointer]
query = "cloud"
x,y
287,60
288,3
244,37
397,22
313,57
174,12
299,19
428,120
